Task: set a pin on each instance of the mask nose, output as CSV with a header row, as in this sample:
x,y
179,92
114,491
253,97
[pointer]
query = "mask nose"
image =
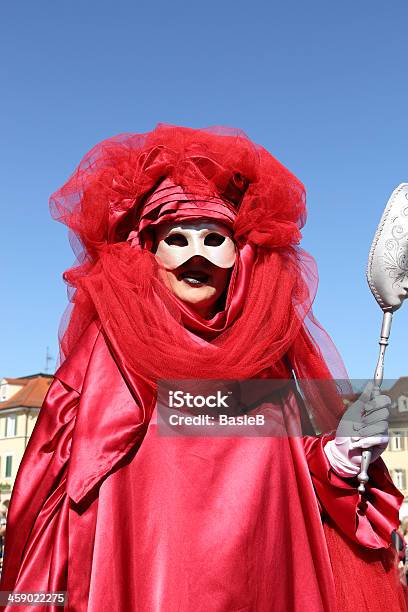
x,y
198,260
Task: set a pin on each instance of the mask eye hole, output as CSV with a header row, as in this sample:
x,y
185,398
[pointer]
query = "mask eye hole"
x,y
214,239
176,240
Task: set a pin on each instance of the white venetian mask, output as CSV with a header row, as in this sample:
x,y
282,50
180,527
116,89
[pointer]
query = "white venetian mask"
x,y
177,243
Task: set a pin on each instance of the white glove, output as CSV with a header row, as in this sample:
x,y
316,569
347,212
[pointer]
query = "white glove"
x,y
363,426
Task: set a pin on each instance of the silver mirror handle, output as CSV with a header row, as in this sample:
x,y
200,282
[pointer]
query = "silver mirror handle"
x,y
378,378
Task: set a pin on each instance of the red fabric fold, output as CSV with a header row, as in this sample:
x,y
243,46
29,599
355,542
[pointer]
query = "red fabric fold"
x,y
102,437
38,482
369,521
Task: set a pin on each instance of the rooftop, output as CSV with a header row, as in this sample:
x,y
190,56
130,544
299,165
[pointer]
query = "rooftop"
x,y
32,392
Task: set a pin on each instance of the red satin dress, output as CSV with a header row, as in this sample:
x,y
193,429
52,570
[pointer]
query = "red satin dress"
x,y
126,520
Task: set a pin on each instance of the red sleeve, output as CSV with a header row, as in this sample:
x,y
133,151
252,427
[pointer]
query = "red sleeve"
x,y
368,523
41,470
87,423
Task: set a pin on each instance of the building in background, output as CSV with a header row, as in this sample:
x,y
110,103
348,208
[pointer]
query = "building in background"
x,y
396,454
20,403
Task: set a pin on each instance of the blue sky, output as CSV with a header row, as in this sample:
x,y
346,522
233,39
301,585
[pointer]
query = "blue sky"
x,y
322,85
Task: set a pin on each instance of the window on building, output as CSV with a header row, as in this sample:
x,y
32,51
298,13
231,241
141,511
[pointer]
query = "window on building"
x,y
9,465
403,404
3,392
397,440
11,426
399,478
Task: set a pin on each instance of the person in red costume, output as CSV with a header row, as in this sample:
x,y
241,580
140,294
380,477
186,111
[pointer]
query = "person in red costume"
x,y
189,268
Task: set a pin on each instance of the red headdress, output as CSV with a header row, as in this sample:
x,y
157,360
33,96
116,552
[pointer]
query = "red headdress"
x,y
126,185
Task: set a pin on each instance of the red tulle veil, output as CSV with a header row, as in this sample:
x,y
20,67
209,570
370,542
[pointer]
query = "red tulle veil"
x,y
266,326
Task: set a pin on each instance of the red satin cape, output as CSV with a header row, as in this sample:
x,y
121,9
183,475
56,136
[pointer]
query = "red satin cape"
x,y
124,519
